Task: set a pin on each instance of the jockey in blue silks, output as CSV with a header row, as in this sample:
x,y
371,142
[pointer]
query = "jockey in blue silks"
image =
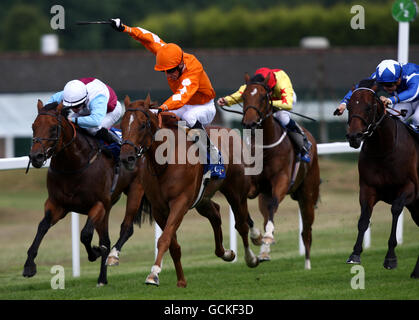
x,y
401,82
94,107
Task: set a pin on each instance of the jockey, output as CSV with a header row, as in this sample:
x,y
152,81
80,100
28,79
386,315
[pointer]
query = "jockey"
x,y
94,106
283,98
401,82
193,95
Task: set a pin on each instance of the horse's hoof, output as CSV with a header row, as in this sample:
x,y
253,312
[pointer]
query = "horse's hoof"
x,y
229,255
415,274
307,265
257,241
390,263
354,259
96,253
268,240
181,284
153,279
101,284
112,261
254,263
29,271
264,256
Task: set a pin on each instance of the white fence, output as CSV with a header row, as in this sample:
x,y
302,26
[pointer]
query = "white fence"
x,y
325,148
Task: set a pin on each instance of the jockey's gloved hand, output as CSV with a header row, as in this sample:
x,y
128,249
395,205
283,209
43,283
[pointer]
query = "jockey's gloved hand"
x,y
117,24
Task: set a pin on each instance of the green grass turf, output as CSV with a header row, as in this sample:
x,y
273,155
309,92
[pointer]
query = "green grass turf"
x,y
208,277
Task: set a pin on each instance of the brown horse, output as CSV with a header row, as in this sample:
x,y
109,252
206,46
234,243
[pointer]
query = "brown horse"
x,y
282,174
388,165
79,179
172,188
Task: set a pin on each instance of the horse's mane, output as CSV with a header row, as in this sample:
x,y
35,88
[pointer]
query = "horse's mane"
x,y
366,83
257,78
50,106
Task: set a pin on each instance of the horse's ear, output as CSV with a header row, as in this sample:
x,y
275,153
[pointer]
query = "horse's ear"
x,y
40,105
246,78
375,86
353,88
147,101
59,108
127,101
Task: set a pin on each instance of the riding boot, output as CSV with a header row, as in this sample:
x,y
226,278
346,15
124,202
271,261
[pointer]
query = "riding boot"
x,y
108,136
298,136
213,157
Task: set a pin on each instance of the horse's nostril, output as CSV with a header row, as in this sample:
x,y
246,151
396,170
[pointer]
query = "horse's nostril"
x,y
39,157
131,159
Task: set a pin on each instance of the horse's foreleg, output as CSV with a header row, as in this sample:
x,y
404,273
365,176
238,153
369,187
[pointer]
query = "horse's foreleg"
x,y
134,198
86,237
99,216
211,211
367,200
390,261
175,253
178,208
52,215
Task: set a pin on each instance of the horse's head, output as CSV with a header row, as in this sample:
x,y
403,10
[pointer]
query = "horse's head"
x,y
47,133
256,101
365,112
137,130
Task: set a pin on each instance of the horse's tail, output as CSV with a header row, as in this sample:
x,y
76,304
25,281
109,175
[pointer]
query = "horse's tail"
x,y
145,207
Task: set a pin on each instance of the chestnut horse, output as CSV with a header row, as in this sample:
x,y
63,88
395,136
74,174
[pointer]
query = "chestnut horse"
x,y
79,179
388,165
282,174
172,188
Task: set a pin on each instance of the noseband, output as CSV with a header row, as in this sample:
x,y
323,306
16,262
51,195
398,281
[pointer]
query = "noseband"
x,y
140,150
371,127
260,114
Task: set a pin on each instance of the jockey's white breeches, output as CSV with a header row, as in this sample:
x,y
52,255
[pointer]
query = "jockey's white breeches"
x,y
204,113
109,120
412,111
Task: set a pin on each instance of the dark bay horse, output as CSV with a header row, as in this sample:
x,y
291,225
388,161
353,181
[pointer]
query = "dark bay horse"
x,y
388,165
79,179
282,174
171,188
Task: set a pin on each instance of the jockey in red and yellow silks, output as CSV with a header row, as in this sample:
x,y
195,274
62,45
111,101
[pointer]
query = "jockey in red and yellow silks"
x,y
283,98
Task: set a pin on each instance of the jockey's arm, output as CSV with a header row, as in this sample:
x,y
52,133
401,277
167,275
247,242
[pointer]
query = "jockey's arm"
x,y
56,97
148,39
408,95
236,97
283,92
98,107
189,85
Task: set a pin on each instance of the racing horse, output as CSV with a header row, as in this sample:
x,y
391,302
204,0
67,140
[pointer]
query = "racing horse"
x,y
172,187
79,179
388,165
282,173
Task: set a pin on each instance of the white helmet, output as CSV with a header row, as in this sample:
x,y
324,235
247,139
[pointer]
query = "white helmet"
x,y
75,93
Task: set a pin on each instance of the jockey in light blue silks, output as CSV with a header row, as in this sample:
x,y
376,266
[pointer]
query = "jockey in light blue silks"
x,y
401,82
94,106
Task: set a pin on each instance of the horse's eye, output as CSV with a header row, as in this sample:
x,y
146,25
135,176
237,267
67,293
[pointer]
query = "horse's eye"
x,y
142,126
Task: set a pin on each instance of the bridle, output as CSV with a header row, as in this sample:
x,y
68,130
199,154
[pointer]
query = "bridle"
x,y
268,99
140,150
372,126
53,150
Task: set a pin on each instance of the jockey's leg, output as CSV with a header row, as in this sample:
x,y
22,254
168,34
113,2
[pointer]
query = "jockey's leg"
x,y
296,134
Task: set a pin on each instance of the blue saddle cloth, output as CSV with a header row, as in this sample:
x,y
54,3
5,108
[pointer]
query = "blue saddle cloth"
x,y
114,148
218,170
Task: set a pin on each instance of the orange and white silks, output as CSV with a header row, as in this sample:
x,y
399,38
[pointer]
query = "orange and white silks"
x,y
193,87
